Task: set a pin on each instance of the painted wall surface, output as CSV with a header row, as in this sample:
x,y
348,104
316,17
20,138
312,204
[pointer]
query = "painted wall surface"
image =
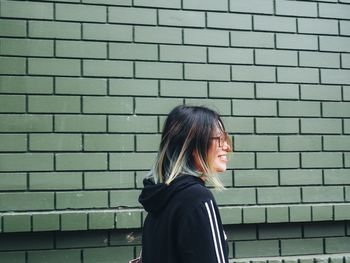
x,y
85,86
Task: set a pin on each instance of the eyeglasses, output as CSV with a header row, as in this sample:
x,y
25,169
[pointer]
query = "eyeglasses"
x,y
222,139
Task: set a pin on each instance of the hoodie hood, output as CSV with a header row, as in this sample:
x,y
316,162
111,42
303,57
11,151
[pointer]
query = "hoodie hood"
x,y
154,197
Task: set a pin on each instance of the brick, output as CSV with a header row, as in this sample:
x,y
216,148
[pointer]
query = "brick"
x,y
81,123
133,51
299,75
318,59
336,109
254,107
277,125
108,105
345,28
158,70
277,160
54,256
296,8
276,57
13,142
299,108
336,176
53,104
16,223
55,142
254,214
30,10
231,89
230,55
256,248
241,160
81,161
143,124
251,39
320,92
300,143
253,73
54,29
159,105
334,43
84,240
12,65
81,199
158,3
347,193
208,72
26,47
26,162
101,220
252,6
345,60
235,196
26,201
322,212
25,241
239,124
182,88
321,126
13,28
107,68
161,35
12,103
314,194
229,21
25,123
252,143
181,18
324,229
346,126
337,245
277,91
220,105
108,254
131,161
255,177
334,76
336,143
341,212
301,246
55,181
109,2
241,232
133,87
318,26
132,15
274,23
53,66
278,231
128,220
220,5
297,42
125,198
277,214
321,159
26,84
73,221
45,222
81,86
279,195
231,215
13,181
108,142
79,12
300,213
147,142
183,53
81,49
334,10
107,32
108,180
301,177
206,37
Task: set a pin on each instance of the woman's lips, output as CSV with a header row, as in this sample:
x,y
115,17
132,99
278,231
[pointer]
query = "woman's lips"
x,y
223,158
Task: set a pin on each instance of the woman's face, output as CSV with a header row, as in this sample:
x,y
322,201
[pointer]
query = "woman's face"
x,y
217,153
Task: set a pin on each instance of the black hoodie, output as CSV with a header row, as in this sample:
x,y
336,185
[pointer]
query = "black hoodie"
x,y
183,224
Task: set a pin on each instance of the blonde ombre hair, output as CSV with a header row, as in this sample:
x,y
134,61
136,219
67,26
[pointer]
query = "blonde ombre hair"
x,y
187,129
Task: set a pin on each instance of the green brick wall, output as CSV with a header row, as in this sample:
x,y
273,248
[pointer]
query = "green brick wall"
x,y
85,86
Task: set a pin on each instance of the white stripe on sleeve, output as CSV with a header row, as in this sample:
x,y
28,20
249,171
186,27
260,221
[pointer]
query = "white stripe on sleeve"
x,y
217,231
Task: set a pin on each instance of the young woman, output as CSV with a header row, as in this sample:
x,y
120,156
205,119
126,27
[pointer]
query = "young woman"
x,y
183,223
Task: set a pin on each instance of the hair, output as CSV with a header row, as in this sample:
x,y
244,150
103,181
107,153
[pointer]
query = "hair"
x,y
187,129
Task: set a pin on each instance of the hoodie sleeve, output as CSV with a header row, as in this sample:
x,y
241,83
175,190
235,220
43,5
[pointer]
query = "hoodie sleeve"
x,y
201,236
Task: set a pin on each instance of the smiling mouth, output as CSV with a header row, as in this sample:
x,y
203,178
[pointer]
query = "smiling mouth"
x,y
223,158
